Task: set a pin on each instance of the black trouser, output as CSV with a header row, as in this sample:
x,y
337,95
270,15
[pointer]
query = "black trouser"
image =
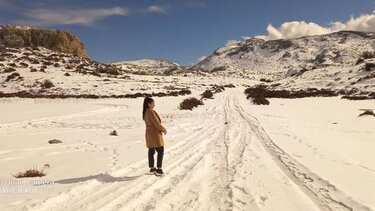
x,y
151,152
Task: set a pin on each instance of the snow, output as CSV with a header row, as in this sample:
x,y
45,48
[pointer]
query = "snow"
x,y
326,133
155,66
148,63
225,155
330,61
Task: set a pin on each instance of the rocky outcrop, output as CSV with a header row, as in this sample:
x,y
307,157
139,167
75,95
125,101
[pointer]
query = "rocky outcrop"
x,y
60,41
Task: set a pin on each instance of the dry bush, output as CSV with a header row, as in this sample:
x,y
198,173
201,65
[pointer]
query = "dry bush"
x,y
9,70
265,80
367,112
260,100
12,76
184,92
218,89
34,172
109,70
34,61
207,94
54,141
369,67
95,73
46,84
24,65
263,90
190,103
113,133
12,65
229,86
47,63
368,55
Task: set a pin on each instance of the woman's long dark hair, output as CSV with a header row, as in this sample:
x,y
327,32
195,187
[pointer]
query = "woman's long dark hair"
x,y
146,101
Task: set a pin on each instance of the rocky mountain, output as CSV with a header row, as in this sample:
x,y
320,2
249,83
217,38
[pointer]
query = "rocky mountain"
x,y
41,72
13,36
340,60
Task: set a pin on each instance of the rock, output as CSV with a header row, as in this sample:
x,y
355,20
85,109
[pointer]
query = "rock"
x,y
13,36
13,41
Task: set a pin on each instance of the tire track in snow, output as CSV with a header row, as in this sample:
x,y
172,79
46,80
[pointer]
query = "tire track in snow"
x,y
320,191
84,195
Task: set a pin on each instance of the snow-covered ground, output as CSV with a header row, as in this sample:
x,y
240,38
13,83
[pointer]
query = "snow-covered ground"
x,y
301,154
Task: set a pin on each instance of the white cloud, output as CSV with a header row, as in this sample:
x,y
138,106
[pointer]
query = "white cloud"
x,y
73,16
157,9
294,29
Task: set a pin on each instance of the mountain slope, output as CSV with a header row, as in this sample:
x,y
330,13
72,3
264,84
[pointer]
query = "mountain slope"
x,y
337,60
148,66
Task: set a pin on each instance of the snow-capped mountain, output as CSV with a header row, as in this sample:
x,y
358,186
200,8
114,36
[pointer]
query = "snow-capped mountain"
x,y
148,66
341,60
41,72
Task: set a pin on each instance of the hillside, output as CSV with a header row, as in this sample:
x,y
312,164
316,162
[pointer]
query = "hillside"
x,y
341,60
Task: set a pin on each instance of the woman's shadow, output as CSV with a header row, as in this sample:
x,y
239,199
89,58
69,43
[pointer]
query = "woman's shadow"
x,y
102,177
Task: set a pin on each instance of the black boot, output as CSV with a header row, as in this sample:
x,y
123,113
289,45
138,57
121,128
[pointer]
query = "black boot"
x,y
159,172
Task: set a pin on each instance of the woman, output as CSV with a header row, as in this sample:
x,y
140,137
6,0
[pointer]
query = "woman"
x,y
154,136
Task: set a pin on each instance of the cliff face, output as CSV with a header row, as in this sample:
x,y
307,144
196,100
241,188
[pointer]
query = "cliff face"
x,y
19,36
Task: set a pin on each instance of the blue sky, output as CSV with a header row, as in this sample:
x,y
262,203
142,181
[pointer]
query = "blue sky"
x,y
177,30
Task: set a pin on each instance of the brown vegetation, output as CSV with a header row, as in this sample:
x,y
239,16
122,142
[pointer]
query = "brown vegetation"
x,y
190,103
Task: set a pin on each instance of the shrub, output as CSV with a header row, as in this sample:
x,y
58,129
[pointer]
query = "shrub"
x,y
264,91
369,66
46,84
218,89
66,74
207,94
54,141
34,172
9,70
109,70
368,55
359,61
12,65
12,76
265,80
24,65
367,112
229,86
47,63
260,100
113,133
190,103
184,92
34,61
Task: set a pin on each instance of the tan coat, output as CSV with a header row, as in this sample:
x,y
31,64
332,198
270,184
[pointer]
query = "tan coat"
x,y
154,129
